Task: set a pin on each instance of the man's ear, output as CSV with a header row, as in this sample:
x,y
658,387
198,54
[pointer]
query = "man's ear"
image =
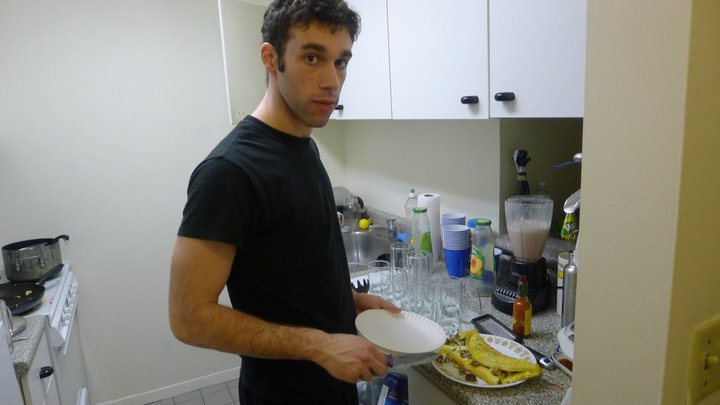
x,y
269,57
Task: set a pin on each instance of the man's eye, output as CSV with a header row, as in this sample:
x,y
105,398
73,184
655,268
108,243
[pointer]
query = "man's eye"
x,y
341,63
311,59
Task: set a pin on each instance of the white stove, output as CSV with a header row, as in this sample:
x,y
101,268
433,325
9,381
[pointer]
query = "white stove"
x,y
59,304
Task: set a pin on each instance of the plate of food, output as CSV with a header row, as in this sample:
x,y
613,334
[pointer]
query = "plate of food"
x,y
486,361
400,333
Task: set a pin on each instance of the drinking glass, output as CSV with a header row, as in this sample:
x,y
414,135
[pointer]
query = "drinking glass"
x,y
472,303
419,297
449,301
399,264
379,272
420,266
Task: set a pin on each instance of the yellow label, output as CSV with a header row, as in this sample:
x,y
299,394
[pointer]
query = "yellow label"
x,y
528,318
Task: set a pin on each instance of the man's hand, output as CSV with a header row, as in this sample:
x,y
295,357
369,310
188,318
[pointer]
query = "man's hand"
x,y
350,358
368,301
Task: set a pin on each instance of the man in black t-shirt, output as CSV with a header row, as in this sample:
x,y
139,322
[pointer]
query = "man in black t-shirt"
x,y
260,219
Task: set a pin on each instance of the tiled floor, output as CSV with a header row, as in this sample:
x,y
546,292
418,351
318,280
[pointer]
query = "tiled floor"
x,y
218,394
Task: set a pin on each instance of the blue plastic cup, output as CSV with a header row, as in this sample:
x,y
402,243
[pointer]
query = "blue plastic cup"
x,y
456,262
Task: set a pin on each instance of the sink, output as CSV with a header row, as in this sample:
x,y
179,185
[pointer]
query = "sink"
x,y
363,246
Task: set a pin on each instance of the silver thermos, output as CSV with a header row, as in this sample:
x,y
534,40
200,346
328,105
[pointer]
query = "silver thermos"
x,y
569,291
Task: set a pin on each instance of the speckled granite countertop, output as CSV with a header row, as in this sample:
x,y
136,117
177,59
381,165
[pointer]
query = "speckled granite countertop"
x,y
547,389
27,343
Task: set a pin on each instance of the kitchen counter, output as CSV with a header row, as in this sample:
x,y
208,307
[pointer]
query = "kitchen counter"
x,y
547,389
27,344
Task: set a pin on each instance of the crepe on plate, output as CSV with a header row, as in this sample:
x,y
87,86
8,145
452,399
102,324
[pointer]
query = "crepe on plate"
x,y
475,358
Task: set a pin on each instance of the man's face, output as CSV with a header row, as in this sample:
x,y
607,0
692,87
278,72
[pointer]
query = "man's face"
x,y
315,63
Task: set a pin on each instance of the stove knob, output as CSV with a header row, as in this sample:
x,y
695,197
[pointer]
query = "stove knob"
x,y
71,300
66,318
67,309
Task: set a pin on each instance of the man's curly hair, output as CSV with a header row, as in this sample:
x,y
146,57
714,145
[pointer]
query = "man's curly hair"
x,y
283,14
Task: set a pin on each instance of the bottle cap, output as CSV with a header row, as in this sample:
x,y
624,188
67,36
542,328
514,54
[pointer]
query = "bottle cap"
x,y
418,210
412,193
483,222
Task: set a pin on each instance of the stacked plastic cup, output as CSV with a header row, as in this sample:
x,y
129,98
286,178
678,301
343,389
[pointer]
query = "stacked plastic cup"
x,y
451,218
456,242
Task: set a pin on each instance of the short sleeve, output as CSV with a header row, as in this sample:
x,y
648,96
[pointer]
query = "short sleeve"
x,y
219,203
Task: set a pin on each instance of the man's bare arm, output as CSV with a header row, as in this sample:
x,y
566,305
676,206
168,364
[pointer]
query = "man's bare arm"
x,y
199,271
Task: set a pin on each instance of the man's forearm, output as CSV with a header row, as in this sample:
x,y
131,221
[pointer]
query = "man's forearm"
x,y
221,328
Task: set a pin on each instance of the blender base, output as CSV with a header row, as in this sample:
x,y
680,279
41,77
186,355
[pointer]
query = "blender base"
x,y
504,297
539,285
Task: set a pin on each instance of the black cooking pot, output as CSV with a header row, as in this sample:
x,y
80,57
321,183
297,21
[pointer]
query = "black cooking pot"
x,y
22,297
29,260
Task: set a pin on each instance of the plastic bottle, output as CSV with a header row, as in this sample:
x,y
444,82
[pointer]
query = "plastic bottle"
x,y
351,214
410,203
420,239
482,256
522,310
569,291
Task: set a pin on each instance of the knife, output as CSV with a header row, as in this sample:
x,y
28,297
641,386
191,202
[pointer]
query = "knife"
x,y
410,360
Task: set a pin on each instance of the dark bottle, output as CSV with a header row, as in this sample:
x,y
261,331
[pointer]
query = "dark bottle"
x,y
522,310
521,159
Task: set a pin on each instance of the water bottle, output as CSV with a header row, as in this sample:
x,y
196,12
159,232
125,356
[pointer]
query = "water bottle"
x,y
351,213
569,291
482,256
420,239
410,204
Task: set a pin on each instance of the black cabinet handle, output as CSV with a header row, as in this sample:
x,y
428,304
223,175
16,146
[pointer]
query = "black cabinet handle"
x,y
46,372
510,96
339,107
469,99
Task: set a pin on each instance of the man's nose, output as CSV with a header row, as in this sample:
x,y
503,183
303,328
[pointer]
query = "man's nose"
x,y
331,78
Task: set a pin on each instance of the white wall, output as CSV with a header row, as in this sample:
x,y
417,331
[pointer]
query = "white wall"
x,y
105,108
649,269
469,163
457,159
242,39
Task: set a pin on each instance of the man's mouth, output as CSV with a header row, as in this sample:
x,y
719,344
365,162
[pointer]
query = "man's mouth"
x,y
326,103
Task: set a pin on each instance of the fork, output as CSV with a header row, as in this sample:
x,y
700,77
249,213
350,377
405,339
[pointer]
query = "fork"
x,y
361,286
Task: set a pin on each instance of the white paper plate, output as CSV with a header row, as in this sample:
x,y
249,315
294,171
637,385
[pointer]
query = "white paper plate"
x,y
400,333
504,346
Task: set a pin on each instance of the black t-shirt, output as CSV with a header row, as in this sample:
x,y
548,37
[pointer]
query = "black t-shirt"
x,y
267,193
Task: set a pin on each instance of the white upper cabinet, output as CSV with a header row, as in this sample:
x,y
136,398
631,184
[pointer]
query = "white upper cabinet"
x,y
366,92
420,59
537,53
438,57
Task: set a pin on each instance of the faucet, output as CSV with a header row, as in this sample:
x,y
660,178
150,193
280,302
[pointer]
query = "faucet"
x,y
573,202
391,228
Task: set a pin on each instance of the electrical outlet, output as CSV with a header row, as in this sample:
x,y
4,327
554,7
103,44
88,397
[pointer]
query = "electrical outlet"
x,y
704,373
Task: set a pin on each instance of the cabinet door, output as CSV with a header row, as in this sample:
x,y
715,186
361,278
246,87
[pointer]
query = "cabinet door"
x,y
537,52
438,55
366,92
37,388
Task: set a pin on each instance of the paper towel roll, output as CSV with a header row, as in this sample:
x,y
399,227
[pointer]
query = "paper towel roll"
x,y
431,201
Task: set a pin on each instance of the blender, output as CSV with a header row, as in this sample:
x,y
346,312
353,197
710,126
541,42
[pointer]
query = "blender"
x,y
527,218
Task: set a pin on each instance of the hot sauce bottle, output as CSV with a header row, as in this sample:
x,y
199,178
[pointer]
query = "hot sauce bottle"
x,y
522,310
